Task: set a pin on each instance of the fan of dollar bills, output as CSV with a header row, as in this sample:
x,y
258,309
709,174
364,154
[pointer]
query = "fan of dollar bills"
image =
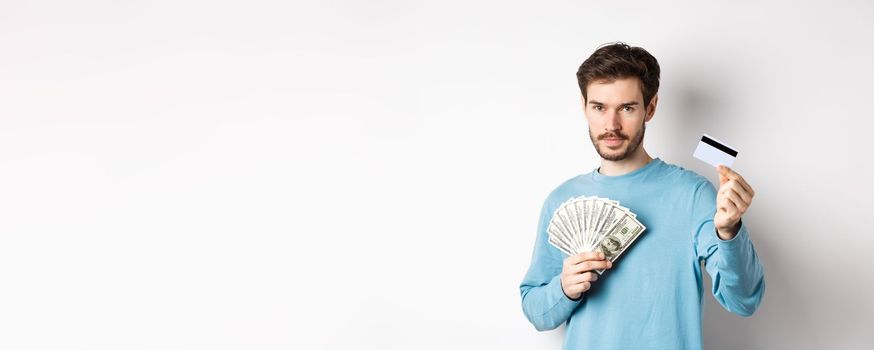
x,y
586,224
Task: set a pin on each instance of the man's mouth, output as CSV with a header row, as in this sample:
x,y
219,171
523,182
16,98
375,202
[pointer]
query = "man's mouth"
x,y
612,141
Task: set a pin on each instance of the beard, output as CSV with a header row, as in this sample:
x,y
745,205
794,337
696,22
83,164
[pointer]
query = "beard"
x,y
636,139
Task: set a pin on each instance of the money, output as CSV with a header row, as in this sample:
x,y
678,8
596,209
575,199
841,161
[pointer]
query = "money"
x,y
588,224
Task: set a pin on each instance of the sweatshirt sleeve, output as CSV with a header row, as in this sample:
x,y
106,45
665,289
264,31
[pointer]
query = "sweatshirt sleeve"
x,y
543,301
738,277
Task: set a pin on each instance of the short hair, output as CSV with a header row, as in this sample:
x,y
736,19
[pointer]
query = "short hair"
x,y
617,61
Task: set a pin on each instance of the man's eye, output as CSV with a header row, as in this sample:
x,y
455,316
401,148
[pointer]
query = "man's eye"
x,y
628,108
597,108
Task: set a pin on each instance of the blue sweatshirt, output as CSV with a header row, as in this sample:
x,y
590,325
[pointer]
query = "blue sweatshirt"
x,y
652,297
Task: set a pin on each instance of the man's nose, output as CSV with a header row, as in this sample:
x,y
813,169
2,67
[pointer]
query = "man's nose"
x,y
612,122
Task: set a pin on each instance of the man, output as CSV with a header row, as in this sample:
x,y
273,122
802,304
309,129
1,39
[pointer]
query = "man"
x,y
652,297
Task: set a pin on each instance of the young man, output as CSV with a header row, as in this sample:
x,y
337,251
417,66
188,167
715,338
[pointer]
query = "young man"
x,y
652,297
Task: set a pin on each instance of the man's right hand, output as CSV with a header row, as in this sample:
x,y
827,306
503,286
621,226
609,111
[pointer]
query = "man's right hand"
x,y
578,273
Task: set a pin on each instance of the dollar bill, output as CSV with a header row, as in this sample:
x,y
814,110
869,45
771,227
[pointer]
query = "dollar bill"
x,y
585,224
619,238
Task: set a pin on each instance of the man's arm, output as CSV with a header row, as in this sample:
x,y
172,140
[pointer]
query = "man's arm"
x,y
543,301
551,283
738,277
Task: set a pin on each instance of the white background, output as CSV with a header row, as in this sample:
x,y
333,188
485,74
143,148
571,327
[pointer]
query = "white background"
x,y
336,174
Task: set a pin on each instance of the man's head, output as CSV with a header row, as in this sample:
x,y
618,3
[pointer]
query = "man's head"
x,y
619,85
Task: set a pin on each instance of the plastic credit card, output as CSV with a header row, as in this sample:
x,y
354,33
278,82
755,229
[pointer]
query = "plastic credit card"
x,y
715,152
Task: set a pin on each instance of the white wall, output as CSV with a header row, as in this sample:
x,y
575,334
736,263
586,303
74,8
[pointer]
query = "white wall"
x,y
333,175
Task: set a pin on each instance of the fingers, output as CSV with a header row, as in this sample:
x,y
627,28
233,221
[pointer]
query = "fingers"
x,y
722,177
584,262
733,189
584,277
576,259
574,285
580,283
743,183
726,171
576,290
735,199
589,265
577,275
745,195
725,174
727,206
740,197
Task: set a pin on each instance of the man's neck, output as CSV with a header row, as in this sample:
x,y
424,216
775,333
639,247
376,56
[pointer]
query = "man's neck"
x,y
625,166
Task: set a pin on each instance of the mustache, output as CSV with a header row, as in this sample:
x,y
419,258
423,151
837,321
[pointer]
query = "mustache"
x,y
613,135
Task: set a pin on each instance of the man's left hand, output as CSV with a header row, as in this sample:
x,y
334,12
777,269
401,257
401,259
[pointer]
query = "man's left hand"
x,y
732,201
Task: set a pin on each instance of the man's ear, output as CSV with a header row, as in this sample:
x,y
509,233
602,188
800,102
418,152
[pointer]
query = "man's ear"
x,y
650,110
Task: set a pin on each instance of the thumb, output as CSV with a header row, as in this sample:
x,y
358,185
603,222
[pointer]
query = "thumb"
x,y
722,170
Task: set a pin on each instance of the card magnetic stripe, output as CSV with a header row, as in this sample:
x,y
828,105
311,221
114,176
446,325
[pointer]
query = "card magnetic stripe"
x,y
718,146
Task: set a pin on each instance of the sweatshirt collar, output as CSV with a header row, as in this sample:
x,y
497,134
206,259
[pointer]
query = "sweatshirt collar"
x,y
597,176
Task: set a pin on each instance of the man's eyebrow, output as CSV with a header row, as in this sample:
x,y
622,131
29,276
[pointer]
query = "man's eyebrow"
x,y
630,103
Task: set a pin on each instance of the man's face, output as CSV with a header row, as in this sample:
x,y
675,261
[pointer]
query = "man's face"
x,y
617,117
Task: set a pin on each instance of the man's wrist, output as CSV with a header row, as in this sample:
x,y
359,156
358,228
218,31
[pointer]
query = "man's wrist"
x,y
728,234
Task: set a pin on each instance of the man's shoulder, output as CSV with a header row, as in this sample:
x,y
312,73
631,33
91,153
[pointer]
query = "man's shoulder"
x,y
681,177
568,188
568,185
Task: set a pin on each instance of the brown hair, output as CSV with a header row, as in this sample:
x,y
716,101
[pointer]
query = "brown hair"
x,y
619,60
